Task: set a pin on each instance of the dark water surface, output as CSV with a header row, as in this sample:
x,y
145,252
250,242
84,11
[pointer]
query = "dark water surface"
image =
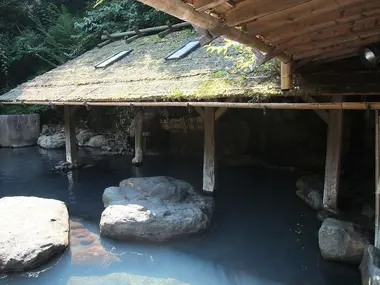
x,y
261,234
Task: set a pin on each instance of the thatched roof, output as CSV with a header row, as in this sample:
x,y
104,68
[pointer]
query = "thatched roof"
x,y
144,75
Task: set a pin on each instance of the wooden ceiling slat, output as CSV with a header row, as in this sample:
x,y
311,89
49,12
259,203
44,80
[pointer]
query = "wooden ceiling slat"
x,y
319,22
252,9
337,49
300,12
203,5
330,36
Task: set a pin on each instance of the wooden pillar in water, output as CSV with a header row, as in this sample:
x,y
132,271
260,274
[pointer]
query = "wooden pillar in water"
x,y
139,120
377,179
333,160
209,150
70,136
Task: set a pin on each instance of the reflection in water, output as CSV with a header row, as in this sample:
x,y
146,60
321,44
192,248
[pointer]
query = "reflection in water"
x,y
261,233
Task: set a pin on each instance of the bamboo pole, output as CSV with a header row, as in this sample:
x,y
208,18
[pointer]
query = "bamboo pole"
x,y
286,76
279,106
377,180
146,31
185,12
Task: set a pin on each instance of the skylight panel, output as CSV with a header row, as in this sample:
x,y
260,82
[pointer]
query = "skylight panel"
x,y
113,59
184,50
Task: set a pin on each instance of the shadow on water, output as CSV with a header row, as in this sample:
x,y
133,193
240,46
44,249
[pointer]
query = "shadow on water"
x,y
261,233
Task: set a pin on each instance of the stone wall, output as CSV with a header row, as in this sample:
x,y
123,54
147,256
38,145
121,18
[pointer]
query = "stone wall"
x,y
19,130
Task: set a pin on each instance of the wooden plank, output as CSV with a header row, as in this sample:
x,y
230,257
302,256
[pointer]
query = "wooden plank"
x,y
333,35
339,48
299,12
209,150
316,22
139,121
323,114
377,180
70,136
333,159
252,9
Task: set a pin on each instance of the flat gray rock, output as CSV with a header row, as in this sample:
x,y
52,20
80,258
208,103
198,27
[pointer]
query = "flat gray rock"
x,y
154,209
97,141
342,241
54,141
370,266
310,190
32,231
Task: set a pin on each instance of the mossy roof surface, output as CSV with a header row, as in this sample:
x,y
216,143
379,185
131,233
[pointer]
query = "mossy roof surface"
x,y
144,75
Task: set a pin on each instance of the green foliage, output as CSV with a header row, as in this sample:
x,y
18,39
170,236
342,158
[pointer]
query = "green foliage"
x,y
121,15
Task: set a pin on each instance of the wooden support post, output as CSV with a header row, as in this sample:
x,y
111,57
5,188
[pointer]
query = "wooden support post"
x,y
70,136
139,120
286,76
377,180
209,150
333,158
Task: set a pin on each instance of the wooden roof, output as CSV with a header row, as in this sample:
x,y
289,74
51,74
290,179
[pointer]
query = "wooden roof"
x,y
144,75
308,30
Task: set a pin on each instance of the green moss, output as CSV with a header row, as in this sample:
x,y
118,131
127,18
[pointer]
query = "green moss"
x,y
220,74
176,94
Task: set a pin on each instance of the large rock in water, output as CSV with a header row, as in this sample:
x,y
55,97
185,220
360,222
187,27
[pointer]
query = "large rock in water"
x,y
32,231
97,141
54,141
154,209
342,241
370,266
19,130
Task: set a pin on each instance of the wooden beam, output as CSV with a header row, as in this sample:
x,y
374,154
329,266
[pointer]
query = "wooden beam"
x,y
319,18
323,114
377,180
139,121
200,112
209,150
252,9
333,159
183,11
298,13
70,136
204,5
220,112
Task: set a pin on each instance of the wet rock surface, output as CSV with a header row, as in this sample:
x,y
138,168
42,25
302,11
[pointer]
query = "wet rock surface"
x,y
342,241
154,209
53,141
19,130
310,190
97,141
370,266
32,231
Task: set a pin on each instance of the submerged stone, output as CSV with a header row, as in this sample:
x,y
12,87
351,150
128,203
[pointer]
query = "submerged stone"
x,y
370,266
32,231
154,209
342,241
123,278
310,190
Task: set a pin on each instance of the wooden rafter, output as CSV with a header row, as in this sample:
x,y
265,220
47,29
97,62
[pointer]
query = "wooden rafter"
x,y
336,35
342,48
252,9
300,12
323,114
316,22
187,13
